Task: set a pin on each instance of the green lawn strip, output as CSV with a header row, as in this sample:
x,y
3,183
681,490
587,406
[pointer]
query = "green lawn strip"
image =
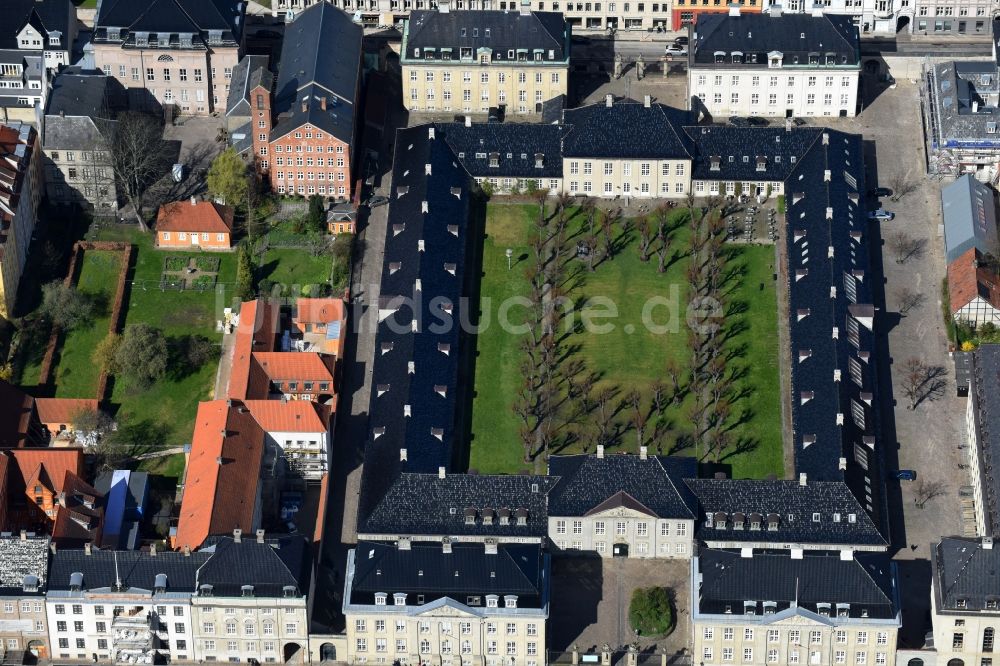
x,y
630,355
289,267
170,466
76,375
171,405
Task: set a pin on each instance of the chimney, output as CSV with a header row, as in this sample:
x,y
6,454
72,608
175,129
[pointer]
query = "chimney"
x,y
441,472
62,114
152,550
218,460
647,101
238,535
322,103
802,479
444,6
403,543
609,100
446,545
430,132
775,10
52,547
788,124
194,201
525,7
187,551
24,535
86,548
734,10
468,121
975,106
491,546
643,452
987,543
305,106
402,455
260,536
600,450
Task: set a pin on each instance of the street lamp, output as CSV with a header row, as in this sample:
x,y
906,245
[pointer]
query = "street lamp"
x,y
509,253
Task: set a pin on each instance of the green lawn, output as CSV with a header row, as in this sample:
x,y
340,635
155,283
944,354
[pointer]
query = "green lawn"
x,y
171,466
289,267
75,374
630,355
170,405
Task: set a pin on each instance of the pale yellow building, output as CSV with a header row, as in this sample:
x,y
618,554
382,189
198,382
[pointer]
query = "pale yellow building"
x,y
817,608
472,61
965,600
462,604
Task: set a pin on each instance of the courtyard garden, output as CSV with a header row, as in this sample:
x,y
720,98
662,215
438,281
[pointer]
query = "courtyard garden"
x,y
633,332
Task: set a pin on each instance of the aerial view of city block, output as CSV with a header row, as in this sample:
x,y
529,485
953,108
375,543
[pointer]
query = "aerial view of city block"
x,y
499,332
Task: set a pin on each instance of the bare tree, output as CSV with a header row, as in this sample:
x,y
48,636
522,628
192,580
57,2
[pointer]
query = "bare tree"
x,y
902,184
915,377
645,238
909,299
139,157
905,246
926,491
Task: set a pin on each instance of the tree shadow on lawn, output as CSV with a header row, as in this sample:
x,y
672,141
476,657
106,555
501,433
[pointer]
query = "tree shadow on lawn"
x,y
187,354
266,270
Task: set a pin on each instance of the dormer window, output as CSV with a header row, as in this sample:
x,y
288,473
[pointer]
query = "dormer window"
x,y
399,599
494,160
813,58
470,516
141,38
749,607
163,40
492,600
831,59
510,601
770,607
246,590
961,603
823,609
737,57
720,56
205,590
380,598
214,36
816,517
289,591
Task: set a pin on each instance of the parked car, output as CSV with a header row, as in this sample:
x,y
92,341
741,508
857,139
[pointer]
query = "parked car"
x,y
882,215
376,201
880,192
757,121
676,49
905,475
737,121
681,41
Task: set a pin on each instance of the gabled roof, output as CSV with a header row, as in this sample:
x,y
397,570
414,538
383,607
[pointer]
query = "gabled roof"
x,y
17,410
626,129
320,60
269,564
301,366
48,466
516,147
292,416
45,15
257,330
964,570
195,216
319,310
196,17
63,410
516,569
589,483
736,153
793,35
969,211
134,569
841,519
969,278
425,504
867,582
80,518
223,474
985,411
491,31
250,72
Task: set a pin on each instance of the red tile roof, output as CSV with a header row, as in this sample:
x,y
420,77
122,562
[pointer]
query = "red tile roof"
x,y
16,408
223,474
203,216
319,310
76,523
49,466
62,410
967,279
291,416
257,331
296,366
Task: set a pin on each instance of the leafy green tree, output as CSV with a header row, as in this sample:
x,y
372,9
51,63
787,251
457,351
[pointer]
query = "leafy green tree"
x,y
141,356
650,612
316,219
65,306
227,178
244,273
106,352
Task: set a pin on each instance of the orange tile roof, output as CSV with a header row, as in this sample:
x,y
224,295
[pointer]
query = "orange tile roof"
x,y
968,280
257,331
202,216
319,310
47,465
298,366
291,416
223,473
62,410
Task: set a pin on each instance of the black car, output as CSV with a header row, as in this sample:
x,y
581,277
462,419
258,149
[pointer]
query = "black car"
x,y
880,192
737,121
757,121
681,41
376,201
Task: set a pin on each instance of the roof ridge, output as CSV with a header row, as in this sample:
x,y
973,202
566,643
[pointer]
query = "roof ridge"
x,y
871,578
520,571
964,566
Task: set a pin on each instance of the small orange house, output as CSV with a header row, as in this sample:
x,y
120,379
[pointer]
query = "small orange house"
x,y
186,225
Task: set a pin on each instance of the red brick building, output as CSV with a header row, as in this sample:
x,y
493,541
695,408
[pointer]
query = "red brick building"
x,y
305,133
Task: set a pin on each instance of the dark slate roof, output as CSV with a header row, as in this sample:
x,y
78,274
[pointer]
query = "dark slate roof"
x,y
320,58
867,582
82,92
251,71
953,87
195,17
515,569
516,146
45,15
963,569
424,504
269,566
986,414
490,31
735,151
626,129
842,520
795,36
588,483
136,569
968,209
428,433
